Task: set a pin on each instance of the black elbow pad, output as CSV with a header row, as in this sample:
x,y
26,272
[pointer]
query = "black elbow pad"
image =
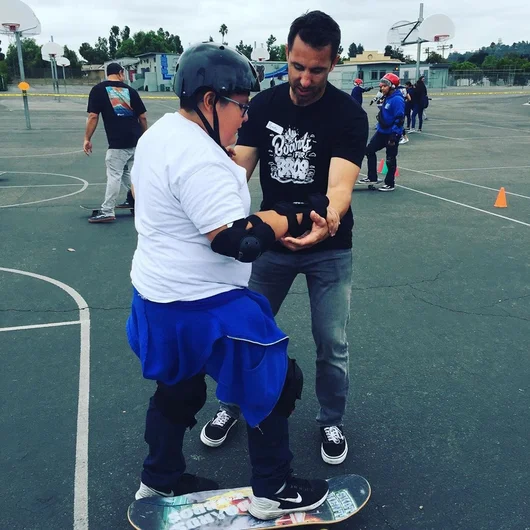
x,y
244,245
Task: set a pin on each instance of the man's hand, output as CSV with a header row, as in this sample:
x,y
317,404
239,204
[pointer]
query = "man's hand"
x,y
392,140
319,232
333,221
230,151
87,147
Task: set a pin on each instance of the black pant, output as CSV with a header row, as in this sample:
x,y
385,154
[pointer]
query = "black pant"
x,y
380,141
172,410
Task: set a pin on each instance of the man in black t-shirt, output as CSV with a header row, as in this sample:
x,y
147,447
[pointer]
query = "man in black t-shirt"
x,y
309,138
124,119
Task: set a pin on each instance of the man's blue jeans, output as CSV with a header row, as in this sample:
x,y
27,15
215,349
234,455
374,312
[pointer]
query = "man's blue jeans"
x,y
329,276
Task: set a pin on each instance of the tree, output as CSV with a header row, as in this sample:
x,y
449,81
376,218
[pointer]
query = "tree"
x,y
114,41
223,30
31,56
126,33
127,49
352,50
72,57
388,51
270,42
245,49
435,58
210,39
360,48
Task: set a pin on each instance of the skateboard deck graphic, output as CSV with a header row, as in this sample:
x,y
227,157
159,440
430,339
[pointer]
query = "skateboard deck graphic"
x,y
228,509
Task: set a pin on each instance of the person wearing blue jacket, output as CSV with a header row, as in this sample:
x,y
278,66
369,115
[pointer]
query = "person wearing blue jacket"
x,y
388,132
358,91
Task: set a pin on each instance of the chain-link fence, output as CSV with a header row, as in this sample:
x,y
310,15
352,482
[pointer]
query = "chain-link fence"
x,y
486,78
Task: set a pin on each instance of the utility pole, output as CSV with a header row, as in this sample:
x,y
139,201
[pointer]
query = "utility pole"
x,y
444,47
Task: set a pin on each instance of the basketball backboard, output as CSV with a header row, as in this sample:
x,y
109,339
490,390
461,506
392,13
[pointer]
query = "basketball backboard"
x,y
259,54
15,15
53,49
62,61
402,32
437,28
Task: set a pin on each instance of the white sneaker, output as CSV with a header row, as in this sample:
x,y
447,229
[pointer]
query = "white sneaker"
x,y
404,140
146,491
412,131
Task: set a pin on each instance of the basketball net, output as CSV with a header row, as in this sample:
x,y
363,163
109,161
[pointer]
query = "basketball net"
x,y
11,28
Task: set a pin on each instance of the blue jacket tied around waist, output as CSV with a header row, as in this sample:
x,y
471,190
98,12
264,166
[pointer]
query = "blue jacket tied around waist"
x,y
231,336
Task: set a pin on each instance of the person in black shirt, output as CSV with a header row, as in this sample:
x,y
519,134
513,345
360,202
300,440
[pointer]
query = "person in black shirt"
x,y
125,121
309,138
419,103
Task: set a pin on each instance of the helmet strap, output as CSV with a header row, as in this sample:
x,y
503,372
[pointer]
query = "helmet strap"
x,y
213,132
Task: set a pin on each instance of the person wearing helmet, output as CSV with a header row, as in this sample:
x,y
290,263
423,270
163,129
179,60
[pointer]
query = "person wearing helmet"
x,y
192,313
388,132
358,91
308,136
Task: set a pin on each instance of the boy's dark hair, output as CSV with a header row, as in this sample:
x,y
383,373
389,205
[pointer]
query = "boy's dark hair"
x,y
188,103
316,29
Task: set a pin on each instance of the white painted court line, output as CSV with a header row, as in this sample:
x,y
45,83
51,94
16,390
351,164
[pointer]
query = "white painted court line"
x,y
37,326
83,181
53,185
464,205
470,137
450,123
477,168
463,182
81,449
44,155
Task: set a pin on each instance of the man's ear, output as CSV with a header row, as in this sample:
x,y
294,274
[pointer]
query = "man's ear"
x,y
334,63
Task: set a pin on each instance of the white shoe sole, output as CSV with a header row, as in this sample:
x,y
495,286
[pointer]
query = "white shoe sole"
x,y
214,443
334,460
260,509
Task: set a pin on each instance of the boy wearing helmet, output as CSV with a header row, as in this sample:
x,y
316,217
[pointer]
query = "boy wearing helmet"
x,y
308,137
358,91
388,132
192,313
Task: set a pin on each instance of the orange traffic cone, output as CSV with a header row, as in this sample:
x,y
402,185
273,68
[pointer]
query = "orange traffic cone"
x,y
501,199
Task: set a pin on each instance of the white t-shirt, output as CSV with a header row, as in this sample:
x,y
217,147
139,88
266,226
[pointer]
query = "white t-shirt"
x,y
185,186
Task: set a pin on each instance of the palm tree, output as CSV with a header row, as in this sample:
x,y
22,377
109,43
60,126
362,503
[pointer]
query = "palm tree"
x,y
223,30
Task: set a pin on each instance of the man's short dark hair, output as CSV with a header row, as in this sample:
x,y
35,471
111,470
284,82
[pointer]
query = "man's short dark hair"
x,y
114,68
316,29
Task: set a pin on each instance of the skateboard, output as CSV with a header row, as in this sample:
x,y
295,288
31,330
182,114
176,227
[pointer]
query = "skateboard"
x,y
228,509
95,211
372,186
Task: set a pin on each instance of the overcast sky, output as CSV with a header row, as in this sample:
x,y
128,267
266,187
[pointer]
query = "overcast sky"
x,y
477,22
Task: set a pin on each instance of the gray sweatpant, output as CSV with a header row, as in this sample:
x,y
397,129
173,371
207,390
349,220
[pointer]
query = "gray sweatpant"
x,y
119,163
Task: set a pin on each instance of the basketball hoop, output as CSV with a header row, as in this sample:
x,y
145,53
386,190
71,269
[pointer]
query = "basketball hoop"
x,y
441,38
10,26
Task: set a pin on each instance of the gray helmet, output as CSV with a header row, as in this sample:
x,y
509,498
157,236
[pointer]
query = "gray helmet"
x,y
215,66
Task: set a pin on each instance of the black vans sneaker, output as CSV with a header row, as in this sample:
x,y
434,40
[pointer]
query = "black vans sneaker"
x,y
298,495
334,448
186,484
129,201
214,433
99,217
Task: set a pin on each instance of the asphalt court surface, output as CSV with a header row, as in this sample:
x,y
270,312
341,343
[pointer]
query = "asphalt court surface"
x,y
439,331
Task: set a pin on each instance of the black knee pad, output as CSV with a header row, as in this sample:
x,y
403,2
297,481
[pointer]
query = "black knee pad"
x,y
292,390
391,161
180,402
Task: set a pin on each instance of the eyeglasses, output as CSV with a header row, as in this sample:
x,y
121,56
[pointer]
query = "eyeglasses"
x,y
244,108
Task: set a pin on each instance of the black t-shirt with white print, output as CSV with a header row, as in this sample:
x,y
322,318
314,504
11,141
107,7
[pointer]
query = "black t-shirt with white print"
x,y
120,105
296,145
